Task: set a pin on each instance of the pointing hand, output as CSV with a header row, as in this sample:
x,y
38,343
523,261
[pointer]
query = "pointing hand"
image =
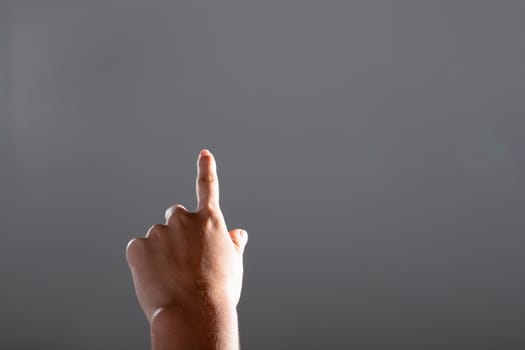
x,y
192,259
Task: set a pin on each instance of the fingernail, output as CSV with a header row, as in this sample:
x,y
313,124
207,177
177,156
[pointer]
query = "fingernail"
x,y
204,153
243,234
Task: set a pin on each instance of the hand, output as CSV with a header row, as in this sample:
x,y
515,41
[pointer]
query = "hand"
x,y
192,259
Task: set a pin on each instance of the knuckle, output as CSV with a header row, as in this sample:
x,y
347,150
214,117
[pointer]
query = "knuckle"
x,y
211,218
156,230
157,227
212,210
134,245
174,210
179,209
209,210
206,179
176,214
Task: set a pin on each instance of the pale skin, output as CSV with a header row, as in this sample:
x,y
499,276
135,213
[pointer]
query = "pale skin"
x,y
187,272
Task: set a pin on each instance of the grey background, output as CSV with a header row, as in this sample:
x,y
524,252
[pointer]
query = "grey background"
x,y
373,150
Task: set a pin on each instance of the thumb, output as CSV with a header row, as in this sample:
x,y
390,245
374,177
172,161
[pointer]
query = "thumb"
x,y
239,238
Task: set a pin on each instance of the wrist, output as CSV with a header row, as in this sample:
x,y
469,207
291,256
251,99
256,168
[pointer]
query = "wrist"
x,y
196,317
197,327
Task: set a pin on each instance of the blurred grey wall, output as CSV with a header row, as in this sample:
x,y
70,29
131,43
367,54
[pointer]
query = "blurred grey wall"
x,y
6,151
373,150
8,192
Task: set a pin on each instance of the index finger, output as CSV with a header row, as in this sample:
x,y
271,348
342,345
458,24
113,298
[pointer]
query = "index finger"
x,y
207,183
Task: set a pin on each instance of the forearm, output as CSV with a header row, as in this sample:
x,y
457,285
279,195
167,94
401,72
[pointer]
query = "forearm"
x,y
198,328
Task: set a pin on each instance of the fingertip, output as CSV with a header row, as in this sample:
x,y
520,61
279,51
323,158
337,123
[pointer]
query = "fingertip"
x,y
204,153
239,238
244,240
244,235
